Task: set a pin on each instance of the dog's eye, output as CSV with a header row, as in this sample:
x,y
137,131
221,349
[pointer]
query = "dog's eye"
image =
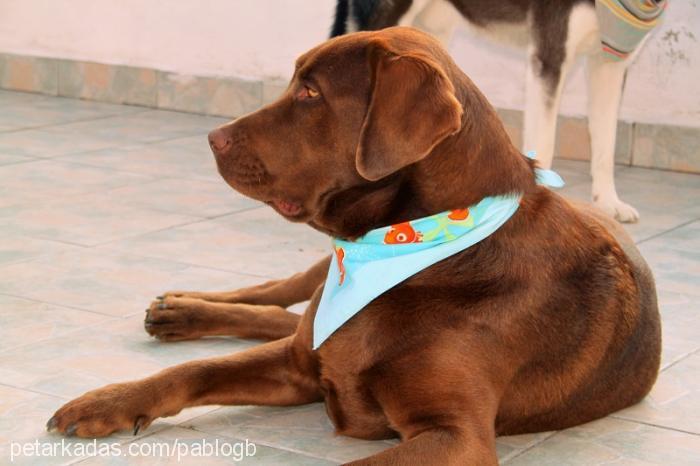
x,y
307,92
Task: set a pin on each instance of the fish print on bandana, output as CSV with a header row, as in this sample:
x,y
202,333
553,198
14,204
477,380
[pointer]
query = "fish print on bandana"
x,y
339,256
459,214
402,233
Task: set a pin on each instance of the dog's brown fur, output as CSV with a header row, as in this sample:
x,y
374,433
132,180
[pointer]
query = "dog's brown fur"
x,y
549,322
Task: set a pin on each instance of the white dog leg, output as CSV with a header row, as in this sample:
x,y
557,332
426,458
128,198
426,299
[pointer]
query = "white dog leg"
x,y
542,99
605,80
409,18
440,19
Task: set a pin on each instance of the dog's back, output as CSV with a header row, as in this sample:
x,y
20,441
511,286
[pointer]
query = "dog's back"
x,y
610,339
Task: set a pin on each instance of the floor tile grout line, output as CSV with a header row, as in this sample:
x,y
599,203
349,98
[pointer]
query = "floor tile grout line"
x,y
192,264
665,288
192,419
651,424
59,241
136,145
118,252
195,219
179,225
109,319
264,443
680,359
95,245
31,390
114,251
530,447
49,240
27,159
11,295
58,159
41,255
44,238
133,145
171,212
81,120
672,229
122,442
661,169
32,203
156,177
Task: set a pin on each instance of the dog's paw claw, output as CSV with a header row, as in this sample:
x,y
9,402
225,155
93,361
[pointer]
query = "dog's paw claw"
x,y
140,422
71,430
51,426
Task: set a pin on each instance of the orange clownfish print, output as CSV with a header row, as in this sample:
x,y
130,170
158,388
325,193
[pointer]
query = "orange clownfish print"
x,y
339,256
459,214
402,233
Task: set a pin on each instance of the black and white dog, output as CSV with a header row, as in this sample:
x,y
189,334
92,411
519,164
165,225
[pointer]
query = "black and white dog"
x,y
555,33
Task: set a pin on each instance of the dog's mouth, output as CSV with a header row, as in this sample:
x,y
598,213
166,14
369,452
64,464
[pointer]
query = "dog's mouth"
x,y
289,209
297,211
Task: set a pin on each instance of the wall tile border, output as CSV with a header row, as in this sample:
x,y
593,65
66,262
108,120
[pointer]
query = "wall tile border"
x,y
653,146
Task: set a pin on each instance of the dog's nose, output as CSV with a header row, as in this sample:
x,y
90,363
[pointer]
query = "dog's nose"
x,y
219,141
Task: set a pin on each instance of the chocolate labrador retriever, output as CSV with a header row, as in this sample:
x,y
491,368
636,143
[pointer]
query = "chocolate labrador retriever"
x,y
549,322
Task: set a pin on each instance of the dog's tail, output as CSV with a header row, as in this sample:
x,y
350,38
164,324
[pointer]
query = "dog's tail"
x,y
342,13
353,15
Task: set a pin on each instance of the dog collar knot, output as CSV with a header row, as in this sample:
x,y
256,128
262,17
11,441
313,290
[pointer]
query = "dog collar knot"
x,y
363,269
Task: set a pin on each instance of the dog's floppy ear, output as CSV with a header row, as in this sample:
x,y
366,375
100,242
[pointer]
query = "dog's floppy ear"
x,y
412,108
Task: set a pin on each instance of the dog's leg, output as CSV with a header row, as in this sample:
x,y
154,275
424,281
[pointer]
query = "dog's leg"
x,y
543,85
176,319
450,423
439,18
446,446
254,312
295,289
279,373
409,17
605,81
556,42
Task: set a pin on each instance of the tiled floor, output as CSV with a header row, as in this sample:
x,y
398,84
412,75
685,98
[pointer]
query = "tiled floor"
x,y
102,207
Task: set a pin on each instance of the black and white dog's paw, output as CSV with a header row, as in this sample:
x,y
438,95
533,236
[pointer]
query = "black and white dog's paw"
x,y
617,209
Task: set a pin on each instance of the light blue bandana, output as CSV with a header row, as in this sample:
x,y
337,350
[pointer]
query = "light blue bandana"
x,y
363,269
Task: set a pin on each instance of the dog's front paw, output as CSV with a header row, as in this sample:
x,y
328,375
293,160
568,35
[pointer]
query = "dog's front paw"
x,y
184,294
617,209
175,319
101,412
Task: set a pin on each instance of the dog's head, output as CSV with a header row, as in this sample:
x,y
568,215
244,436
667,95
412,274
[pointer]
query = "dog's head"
x,y
360,110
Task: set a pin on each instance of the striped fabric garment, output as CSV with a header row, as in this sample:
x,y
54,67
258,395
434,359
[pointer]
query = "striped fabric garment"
x,y
624,23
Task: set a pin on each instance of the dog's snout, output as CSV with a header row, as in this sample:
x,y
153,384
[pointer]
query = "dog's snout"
x,y
219,140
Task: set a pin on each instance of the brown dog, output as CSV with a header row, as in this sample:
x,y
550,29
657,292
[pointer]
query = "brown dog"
x,y
549,322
